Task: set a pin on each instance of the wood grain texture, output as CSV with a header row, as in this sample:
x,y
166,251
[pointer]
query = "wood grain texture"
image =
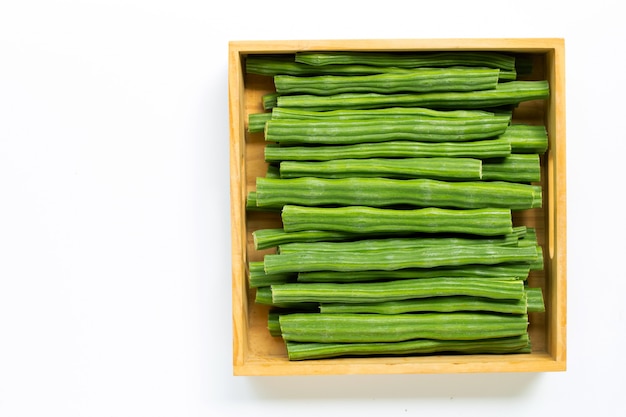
x,y
255,352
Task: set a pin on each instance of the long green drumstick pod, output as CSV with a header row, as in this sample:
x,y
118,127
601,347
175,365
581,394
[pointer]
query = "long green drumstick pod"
x,y
386,192
367,244
434,168
359,219
350,328
386,113
519,270
408,59
390,259
347,132
504,345
266,238
376,292
510,93
532,301
444,304
418,80
480,149
285,64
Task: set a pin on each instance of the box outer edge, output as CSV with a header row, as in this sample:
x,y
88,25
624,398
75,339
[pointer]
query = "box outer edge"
x,y
556,360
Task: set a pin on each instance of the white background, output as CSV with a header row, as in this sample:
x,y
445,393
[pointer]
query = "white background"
x,y
114,210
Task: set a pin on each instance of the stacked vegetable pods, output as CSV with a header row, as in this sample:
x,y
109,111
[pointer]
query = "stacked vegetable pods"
x,y
396,176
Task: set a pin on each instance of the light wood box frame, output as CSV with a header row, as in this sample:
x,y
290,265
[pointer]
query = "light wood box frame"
x,y
255,352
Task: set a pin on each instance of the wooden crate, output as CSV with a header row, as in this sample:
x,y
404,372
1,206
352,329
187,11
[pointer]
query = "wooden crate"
x,y
255,352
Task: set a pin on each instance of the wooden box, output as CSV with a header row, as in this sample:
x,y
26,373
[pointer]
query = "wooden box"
x,y
255,352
